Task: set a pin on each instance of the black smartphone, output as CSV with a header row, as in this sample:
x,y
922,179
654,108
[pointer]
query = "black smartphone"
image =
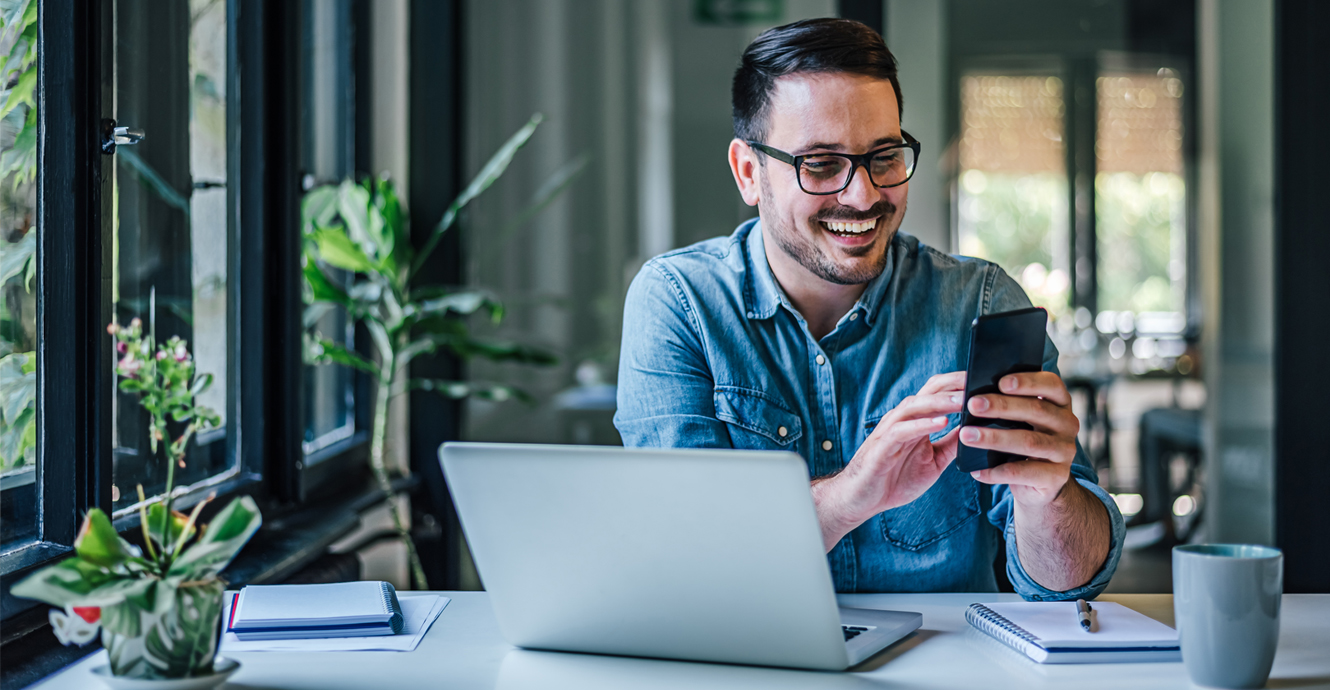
x,y
1010,342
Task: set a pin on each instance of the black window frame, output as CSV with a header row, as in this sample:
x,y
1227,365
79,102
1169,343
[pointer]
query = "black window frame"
x,y
264,354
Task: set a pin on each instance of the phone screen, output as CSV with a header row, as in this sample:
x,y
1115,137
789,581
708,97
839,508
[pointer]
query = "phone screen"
x,y
1009,342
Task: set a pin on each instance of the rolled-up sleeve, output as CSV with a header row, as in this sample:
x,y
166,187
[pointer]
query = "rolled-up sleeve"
x,y
665,388
1002,515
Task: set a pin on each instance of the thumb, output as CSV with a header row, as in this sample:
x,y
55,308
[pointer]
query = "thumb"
x,y
944,449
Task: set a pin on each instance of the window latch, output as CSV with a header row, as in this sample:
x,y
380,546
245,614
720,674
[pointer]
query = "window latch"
x,y
113,135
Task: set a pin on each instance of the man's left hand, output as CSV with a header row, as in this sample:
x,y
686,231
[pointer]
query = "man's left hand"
x,y
1041,400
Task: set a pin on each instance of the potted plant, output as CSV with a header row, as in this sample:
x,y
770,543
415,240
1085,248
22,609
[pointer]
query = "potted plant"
x,y
361,229
159,612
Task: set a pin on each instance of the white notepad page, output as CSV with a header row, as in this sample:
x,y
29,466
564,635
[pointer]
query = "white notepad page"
x,y
1057,625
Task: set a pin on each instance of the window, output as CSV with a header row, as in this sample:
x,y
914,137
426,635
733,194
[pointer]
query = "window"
x,y
18,276
1012,196
327,156
169,262
1141,210
1110,256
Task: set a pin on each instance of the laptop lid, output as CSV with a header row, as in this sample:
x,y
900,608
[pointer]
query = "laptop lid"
x,y
706,555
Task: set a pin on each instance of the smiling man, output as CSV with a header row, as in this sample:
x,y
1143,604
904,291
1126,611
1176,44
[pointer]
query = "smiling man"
x,y
819,328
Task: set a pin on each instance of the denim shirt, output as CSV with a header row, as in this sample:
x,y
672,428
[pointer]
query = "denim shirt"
x,y
715,356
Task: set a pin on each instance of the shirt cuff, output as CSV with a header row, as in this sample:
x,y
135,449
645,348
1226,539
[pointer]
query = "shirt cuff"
x,y
1033,591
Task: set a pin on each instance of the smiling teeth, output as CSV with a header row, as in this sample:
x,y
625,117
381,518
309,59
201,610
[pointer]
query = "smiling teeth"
x,y
851,228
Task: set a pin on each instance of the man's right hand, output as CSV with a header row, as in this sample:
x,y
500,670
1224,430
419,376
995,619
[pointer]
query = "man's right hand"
x,y
896,464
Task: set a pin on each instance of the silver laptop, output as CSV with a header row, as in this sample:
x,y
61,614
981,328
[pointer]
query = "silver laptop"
x,y
704,555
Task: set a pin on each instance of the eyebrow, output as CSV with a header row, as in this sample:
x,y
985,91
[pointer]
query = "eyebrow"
x,y
832,146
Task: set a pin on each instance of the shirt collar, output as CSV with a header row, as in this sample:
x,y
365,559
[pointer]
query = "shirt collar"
x,y
763,295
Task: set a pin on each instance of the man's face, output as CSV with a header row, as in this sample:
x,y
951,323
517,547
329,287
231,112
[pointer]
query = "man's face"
x,y
835,113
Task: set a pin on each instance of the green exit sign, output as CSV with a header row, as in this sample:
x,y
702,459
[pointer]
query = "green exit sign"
x,y
738,11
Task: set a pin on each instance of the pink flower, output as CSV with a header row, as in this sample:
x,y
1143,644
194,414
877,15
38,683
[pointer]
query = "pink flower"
x,y
122,347
130,366
161,354
181,352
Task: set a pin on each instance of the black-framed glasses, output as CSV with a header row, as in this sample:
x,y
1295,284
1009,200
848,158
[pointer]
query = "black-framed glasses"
x,y
829,173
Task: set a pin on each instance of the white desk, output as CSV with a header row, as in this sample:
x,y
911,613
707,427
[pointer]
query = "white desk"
x,y
464,650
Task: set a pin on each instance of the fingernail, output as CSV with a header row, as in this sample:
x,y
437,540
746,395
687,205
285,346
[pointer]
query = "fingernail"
x,y
979,404
975,474
956,398
969,433
1007,384
939,420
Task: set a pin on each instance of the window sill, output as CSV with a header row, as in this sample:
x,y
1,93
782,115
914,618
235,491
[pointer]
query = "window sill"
x,y
286,543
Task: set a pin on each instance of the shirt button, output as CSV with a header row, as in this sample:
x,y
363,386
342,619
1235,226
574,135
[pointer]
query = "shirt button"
x,y
782,432
826,445
854,316
821,359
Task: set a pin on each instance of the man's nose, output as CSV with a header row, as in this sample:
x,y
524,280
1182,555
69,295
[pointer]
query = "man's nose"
x,y
860,193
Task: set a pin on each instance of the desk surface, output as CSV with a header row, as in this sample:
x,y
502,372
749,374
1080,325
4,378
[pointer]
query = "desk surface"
x,y
464,650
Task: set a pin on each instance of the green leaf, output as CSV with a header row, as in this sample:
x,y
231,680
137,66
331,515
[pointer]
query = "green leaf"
x,y
501,351
226,534
66,583
21,94
471,389
482,181
325,351
202,382
21,158
464,303
173,526
16,256
98,542
548,192
323,289
338,250
353,207
318,208
390,206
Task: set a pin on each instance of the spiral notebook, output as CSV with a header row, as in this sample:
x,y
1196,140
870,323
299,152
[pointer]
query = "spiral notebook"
x,y
1050,632
295,612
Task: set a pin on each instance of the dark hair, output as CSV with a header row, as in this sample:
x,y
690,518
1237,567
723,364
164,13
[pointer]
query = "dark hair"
x,y
810,45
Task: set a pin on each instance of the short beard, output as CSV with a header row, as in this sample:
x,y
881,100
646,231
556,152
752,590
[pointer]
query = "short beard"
x,y
802,249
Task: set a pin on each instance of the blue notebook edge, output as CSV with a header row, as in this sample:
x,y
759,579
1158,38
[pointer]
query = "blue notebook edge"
x,y
394,625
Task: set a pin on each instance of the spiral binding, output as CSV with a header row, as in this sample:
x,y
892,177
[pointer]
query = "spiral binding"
x,y
997,625
390,605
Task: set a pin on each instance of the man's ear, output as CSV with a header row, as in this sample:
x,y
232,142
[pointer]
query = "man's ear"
x,y
743,163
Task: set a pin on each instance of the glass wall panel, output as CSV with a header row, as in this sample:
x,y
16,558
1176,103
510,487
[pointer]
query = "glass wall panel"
x,y
1140,198
1012,192
169,220
18,275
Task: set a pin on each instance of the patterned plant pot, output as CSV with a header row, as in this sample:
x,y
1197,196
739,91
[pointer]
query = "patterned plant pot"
x,y
180,641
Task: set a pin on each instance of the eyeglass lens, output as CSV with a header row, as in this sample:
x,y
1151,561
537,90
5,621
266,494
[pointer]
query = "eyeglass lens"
x,y
831,172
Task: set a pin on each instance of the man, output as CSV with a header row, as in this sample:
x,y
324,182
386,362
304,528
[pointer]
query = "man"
x,y
818,328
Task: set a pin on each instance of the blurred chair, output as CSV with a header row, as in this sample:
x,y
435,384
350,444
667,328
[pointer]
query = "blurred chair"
x,y
1165,433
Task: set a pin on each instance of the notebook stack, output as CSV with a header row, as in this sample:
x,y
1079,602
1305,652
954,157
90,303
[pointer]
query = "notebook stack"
x,y
296,612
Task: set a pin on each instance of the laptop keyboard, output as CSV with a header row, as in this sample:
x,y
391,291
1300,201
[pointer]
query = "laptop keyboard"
x,y
853,631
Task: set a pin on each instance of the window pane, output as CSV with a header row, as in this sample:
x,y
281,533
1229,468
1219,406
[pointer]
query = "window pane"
x,y
170,218
1012,192
1140,197
327,154
18,308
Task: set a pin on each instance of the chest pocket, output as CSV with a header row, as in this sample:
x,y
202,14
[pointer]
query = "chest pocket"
x,y
755,420
948,505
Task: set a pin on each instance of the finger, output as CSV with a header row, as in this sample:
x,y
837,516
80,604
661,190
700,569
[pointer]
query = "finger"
x,y
917,406
902,433
1033,444
1037,474
944,449
1042,414
1041,384
952,381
